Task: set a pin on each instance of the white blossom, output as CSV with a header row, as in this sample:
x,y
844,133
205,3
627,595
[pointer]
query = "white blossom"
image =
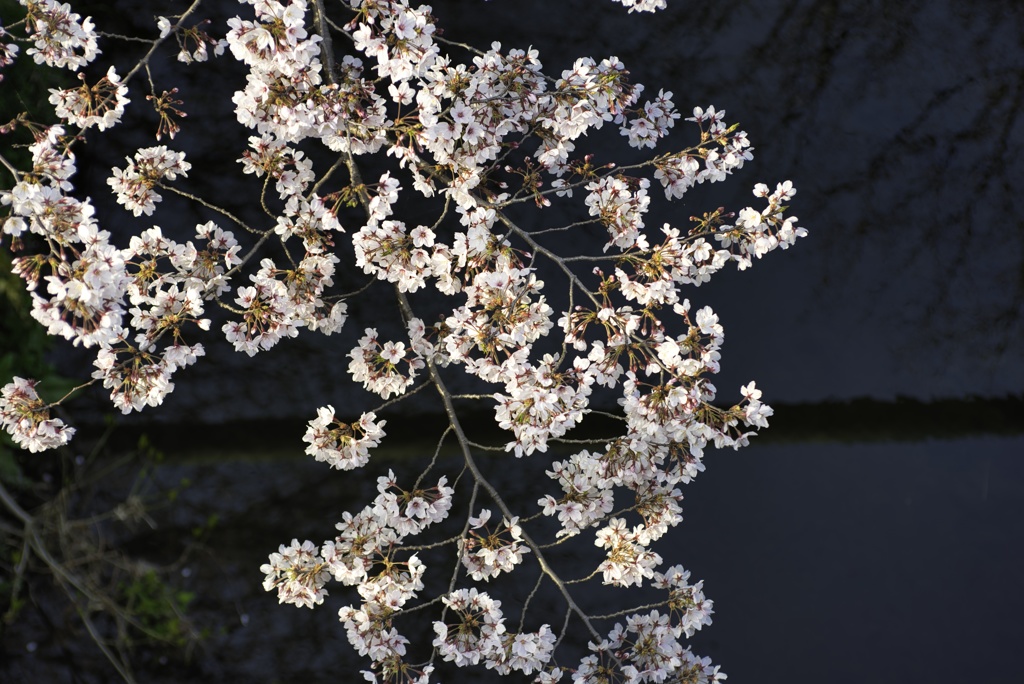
x,y
27,419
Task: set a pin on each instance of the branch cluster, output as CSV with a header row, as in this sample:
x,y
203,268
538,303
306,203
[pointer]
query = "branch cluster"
x,y
487,136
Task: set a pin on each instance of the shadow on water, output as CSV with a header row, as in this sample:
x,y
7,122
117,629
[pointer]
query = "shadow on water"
x,y
857,560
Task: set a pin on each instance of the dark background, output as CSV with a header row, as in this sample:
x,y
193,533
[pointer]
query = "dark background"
x,y
874,534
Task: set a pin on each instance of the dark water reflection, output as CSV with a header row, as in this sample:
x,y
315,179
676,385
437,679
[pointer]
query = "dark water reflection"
x,y
881,562
828,562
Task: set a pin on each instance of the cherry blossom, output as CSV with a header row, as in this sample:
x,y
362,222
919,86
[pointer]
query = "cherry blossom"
x,y
100,105
134,185
487,553
61,37
298,574
342,445
489,139
477,631
27,419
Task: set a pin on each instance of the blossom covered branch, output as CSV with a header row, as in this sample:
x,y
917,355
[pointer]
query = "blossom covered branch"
x,y
481,136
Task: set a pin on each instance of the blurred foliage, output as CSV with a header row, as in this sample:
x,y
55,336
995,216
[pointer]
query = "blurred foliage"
x,y
23,341
80,538
158,607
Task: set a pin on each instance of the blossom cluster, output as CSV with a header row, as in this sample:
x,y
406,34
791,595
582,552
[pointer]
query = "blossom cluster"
x,y
380,366
298,573
100,105
480,135
488,553
644,5
61,37
478,635
342,445
134,184
27,419
85,277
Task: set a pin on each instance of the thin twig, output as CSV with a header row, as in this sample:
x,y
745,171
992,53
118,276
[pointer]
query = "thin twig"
x,y
156,43
626,611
